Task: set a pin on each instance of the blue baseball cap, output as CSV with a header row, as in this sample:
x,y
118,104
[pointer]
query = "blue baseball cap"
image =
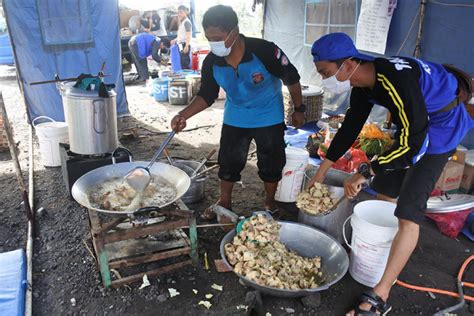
x,y
336,46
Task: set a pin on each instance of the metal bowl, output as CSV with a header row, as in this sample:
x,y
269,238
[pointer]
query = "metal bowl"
x,y
197,189
306,241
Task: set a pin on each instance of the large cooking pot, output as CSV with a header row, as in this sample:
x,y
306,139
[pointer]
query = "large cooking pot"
x,y
308,242
81,189
91,120
330,223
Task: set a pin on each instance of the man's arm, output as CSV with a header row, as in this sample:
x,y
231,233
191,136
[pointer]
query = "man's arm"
x,y
278,64
155,49
188,28
404,92
295,92
356,116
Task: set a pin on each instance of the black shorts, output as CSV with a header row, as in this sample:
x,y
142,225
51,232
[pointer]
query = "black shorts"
x,y
412,186
234,147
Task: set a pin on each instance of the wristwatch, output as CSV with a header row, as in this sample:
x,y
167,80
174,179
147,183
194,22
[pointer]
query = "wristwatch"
x,y
364,170
301,108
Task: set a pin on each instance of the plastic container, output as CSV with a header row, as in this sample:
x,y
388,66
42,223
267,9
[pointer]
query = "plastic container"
x,y
312,98
202,54
50,134
195,80
292,174
159,88
180,91
373,228
175,58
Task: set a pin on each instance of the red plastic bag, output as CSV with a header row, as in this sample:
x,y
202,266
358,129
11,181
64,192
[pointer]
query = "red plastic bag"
x,y
450,224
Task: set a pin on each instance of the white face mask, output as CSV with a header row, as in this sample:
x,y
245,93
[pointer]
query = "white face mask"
x,y
335,86
219,49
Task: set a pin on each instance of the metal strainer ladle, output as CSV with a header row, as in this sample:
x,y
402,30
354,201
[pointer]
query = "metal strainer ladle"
x,y
139,177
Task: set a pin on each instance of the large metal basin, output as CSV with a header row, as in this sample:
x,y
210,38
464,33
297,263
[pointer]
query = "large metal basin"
x,y
307,242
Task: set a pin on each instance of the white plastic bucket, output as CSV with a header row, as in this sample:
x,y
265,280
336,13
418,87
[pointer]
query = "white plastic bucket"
x,y
50,134
292,174
373,228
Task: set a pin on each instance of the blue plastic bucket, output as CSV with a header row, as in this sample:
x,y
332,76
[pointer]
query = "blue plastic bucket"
x,y
160,89
175,58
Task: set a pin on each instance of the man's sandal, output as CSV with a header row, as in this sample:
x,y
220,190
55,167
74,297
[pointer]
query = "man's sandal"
x,y
378,304
209,213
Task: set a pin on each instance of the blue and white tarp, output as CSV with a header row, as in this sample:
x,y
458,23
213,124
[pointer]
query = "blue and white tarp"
x,y
66,38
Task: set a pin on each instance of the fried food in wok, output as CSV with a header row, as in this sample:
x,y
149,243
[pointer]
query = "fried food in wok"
x,y
256,254
117,195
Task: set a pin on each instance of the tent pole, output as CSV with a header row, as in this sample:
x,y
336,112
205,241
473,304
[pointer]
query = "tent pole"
x,y
29,242
420,29
264,17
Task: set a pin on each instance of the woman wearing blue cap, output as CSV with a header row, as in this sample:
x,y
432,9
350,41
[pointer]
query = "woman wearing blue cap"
x,y
426,103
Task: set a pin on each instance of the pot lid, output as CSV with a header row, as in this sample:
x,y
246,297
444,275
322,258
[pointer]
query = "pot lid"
x,y
67,89
450,203
307,91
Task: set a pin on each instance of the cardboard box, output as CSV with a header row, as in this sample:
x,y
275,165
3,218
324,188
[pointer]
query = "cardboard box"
x,y
467,182
125,15
451,177
467,178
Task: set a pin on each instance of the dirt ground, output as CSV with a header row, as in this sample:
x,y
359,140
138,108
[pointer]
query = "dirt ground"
x,y
65,272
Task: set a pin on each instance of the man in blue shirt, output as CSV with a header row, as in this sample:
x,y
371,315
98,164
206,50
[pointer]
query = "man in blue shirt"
x,y
427,105
251,72
144,45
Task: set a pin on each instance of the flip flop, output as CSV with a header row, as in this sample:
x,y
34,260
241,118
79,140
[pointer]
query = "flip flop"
x,y
209,213
378,304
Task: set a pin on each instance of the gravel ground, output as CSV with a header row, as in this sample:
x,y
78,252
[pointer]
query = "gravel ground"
x,y
66,278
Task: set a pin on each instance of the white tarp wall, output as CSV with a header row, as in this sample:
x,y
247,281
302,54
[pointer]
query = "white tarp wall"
x,y
285,26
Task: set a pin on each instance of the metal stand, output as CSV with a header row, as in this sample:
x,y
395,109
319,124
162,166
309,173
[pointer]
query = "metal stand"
x,y
122,243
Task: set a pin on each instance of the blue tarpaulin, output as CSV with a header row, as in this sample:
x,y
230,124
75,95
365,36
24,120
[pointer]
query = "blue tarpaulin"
x,y
67,38
12,282
447,32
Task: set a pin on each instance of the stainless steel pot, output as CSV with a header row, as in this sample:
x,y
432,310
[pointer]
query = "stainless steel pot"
x,y
91,120
197,188
332,222
307,242
81,189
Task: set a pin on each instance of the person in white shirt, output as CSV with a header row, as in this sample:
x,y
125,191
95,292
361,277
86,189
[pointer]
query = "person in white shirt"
x,y
184,36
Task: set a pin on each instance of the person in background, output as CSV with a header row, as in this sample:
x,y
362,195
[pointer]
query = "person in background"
x,y
143,45
183,39
251,72
135,24
426,101
151,22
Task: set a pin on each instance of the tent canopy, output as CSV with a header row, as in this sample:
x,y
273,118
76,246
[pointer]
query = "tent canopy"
x,y
66,38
